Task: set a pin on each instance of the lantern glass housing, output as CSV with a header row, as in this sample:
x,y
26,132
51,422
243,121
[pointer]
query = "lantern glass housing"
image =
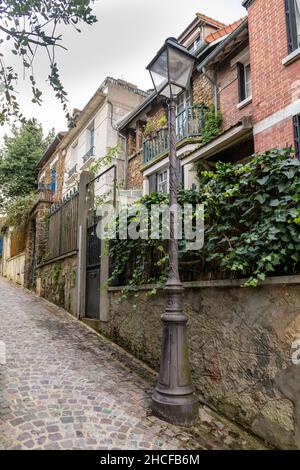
x,y
171,69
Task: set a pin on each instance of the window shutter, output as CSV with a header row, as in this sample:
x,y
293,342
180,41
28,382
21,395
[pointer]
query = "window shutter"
x,y
241,80
153,183
296,121
53,180
290,12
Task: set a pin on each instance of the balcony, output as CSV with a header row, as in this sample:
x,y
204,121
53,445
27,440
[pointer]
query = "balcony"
x,y
72,172
88,155
44,194
189,124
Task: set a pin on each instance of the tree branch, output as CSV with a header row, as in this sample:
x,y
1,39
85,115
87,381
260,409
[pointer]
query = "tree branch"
x,y
17,34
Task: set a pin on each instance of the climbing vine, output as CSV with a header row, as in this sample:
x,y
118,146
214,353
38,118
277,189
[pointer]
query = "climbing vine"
x,y
18,210
212,125
252,224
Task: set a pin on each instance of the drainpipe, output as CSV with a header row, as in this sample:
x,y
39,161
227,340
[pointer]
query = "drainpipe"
x,y
123,137
215,88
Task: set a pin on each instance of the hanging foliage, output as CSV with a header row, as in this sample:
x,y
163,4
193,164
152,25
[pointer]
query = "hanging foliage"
x,y
252,224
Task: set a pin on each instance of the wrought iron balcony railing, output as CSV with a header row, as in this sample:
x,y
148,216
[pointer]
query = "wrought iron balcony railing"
x,y
189,123
72,171
88,154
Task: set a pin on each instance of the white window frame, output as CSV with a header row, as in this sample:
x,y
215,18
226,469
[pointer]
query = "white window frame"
x,y
244,58
248,95
74,151
90,131
164,180
195,44
297,10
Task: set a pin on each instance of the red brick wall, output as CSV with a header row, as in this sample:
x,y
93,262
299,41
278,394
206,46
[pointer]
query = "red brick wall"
x,y
274,86
280,135
227,80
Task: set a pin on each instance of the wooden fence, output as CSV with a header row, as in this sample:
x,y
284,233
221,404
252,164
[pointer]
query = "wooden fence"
x,y
62,235
18,242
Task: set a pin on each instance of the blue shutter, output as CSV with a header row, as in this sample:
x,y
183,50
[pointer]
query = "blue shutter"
x,y
53,180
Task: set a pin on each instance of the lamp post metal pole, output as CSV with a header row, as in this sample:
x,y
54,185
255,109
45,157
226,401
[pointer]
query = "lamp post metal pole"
x,y
174,398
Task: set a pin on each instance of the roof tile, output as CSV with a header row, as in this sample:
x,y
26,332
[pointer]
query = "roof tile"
x,y
205,18
224,31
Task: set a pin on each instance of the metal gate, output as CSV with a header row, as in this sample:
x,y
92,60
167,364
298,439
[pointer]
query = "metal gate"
x,y
92,309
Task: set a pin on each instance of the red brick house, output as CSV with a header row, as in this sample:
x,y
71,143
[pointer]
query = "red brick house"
x,y
225,61
274,34
222,54
250,72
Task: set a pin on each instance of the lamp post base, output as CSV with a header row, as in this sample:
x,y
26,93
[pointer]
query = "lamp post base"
x,y
181,410
174,399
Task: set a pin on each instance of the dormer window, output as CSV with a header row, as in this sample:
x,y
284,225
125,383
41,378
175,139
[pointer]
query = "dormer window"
x,y
194,46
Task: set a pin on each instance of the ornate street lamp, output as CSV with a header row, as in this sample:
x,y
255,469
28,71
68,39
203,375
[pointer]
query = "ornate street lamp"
x,y
173,398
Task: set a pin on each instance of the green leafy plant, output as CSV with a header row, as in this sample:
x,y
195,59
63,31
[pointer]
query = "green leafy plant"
x,y
137,255
106,160
19,156
252,213
162,122
150,128
56,272
73,277
26,28
18,210
252,225
212,125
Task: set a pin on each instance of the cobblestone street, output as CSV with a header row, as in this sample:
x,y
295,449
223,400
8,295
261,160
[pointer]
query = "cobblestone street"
x,y
64,387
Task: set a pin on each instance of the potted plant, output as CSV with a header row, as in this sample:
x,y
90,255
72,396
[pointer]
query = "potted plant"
x,y
162,122
150,129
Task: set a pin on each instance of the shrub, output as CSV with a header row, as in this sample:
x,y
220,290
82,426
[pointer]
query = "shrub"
x,y
252,223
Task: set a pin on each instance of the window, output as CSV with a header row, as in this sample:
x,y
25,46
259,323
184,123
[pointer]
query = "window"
x,y
248,83
42,183
296,120
184,100
90,137
74,151
163,181
244,79
292,10
194,46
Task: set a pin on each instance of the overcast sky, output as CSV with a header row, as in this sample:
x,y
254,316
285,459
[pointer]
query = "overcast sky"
x,y
126,37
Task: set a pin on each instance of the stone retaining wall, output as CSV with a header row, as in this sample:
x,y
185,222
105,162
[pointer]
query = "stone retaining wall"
x,y
241,345
15,269
56,282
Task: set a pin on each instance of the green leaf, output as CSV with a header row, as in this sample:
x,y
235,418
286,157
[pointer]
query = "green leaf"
x,y
275,203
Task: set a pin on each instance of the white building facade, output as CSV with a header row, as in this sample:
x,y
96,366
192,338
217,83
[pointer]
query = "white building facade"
x,y
95,134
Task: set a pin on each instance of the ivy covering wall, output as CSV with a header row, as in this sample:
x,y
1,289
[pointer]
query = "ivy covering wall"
x,y
252,225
